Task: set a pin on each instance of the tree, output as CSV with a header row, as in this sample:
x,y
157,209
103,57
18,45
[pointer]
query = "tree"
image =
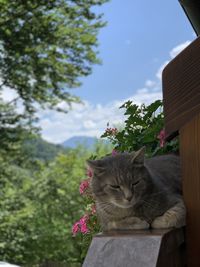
x,y
46,46
14,128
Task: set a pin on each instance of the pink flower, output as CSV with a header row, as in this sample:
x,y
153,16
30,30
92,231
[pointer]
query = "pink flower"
x,y
81,226
89,172
111,131
84,229
75,228
114,152
83,186
161,137
83,219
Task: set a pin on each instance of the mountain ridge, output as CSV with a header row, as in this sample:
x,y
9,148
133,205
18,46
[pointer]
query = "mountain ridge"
x,y
74,141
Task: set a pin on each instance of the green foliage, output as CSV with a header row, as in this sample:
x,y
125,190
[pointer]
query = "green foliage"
x,y
16,211
36,211
45,46
13,129
141,128
38,208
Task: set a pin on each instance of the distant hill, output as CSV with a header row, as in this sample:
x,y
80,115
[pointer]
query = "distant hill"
x,y
80,140
38,148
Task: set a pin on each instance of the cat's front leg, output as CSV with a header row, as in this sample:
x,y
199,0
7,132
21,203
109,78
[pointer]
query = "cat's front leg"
x,y
130,223
172,218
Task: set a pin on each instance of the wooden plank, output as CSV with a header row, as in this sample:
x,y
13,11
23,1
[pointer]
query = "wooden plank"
x,y
181,88
190,160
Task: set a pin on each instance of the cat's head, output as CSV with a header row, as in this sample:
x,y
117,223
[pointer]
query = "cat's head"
x,y
121,179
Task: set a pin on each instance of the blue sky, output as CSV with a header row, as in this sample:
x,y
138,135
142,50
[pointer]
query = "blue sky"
x,y
141,37
136,41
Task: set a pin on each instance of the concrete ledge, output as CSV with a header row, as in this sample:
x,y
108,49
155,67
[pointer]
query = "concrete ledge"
x,y
146,248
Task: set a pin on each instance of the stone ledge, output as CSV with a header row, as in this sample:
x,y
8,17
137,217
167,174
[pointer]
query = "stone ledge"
x,y
146,248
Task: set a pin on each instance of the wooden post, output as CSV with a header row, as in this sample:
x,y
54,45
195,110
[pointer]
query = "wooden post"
x,y
190,154
181,93
139,248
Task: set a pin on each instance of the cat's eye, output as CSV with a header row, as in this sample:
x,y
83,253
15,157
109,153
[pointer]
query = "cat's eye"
x,y
114,186
135,183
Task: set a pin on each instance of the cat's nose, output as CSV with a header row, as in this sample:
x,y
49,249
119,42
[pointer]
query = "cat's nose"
x,y
128,198
128,195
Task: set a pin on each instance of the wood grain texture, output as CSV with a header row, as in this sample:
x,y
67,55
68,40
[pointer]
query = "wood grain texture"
x,y
190,160
181,88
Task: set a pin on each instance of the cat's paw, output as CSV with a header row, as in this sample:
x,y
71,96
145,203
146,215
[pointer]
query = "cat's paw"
x,y
163,222
135,223
131,223
173,218
140,226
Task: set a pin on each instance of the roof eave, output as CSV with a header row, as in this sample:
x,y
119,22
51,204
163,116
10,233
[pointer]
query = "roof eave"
x,y
192,11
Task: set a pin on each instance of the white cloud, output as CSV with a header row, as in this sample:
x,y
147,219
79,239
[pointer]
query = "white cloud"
x,y
173,53
89,124
150,83
176,50
87,119
160,70
83,119
8,94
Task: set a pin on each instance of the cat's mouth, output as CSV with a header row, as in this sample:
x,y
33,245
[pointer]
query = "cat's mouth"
x,y
123,205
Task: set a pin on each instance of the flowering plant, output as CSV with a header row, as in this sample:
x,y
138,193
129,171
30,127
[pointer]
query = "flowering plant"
x,y
87,225
143,126
88,222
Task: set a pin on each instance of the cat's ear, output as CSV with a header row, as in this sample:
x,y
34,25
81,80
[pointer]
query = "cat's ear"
x,y
138,156
96,166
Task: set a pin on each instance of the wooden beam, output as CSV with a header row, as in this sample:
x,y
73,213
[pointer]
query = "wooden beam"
x,y
181,88
190,160
181,93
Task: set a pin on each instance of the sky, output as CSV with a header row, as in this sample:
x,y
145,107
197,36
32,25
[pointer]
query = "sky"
x,y
140,38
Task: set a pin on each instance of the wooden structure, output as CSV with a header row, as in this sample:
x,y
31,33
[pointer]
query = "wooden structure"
x,y
181,93
139,248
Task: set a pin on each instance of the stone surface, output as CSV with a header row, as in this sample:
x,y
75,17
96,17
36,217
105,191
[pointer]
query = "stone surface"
x,y
147,248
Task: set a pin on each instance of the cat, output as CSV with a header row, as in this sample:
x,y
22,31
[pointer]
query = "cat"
x,y
132,192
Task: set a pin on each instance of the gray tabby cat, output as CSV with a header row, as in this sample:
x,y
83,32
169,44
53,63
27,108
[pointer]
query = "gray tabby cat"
x,y
136,193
